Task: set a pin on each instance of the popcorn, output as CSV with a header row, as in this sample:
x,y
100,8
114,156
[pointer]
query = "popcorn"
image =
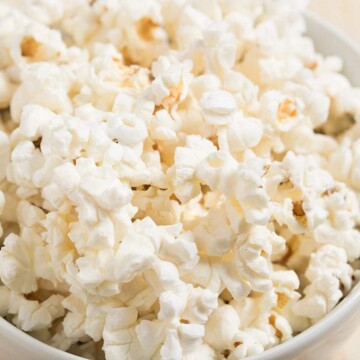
x,y
129,261
66,177
285,282
333,260
127,129
182,340
185,161
251,342
214,239
204,83
320,297
279,111
181,250
6,91
37,43
119,334
243,181
244,134
24,259
29,215
4,154
251,258
220,48
96,314
316,104
219,107
33,119
31,315
178,179
221,327
202,352
53,84
201,303
2,203
74,319
44,11
343,163
171,82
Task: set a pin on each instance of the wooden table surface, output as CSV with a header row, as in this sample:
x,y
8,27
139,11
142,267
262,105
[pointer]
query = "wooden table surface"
x,y
342,13
345,14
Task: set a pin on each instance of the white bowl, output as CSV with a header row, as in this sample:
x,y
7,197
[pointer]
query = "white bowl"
x,y
319,342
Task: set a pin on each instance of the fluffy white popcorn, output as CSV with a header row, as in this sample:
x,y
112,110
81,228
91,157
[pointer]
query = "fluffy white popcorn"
x,y
130,261
320,297
344,162
66,177
219,107
220,47
119,335
73,323
346,239
39,43
180,250
171,82
204,83
250,342
34,117
4,153
221,328
279,111
2,203
182,338
251,258
330,260
244,134
6,90
285,282
178,179
33,315
23,262
186,160
128,129
53,84
242,183
212,236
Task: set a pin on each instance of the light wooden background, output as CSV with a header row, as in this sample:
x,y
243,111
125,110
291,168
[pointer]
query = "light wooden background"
x,y
343,13
346,15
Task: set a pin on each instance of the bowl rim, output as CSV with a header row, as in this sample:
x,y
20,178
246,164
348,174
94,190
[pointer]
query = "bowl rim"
x,y
311,17
348,305
22,336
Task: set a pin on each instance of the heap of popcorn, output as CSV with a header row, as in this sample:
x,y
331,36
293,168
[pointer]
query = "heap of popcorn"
x,y
180,179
